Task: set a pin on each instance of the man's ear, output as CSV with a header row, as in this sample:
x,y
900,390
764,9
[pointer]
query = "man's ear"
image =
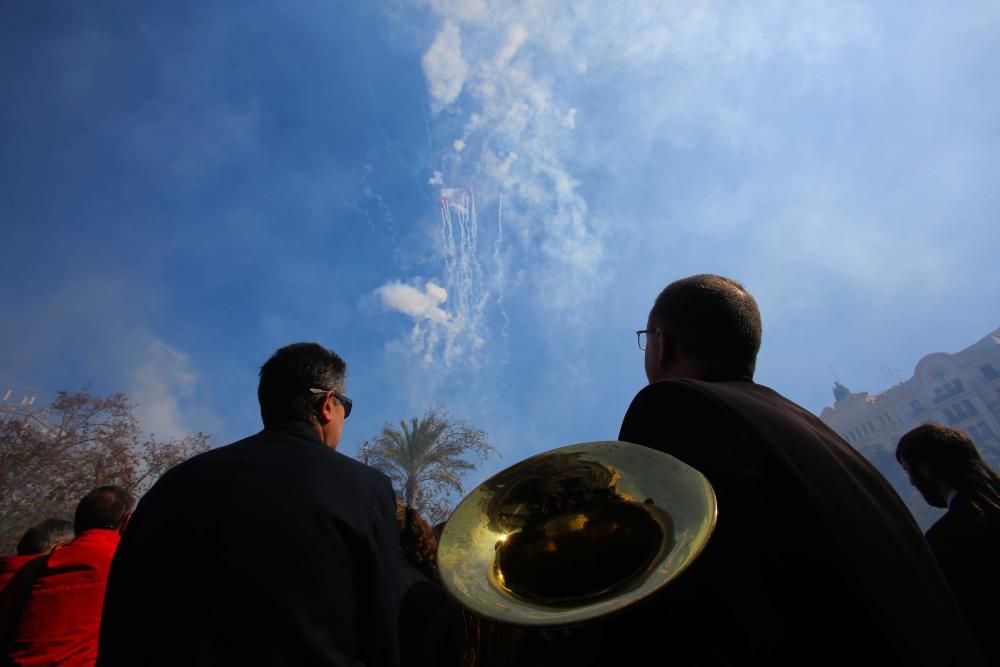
x,y
666,351
326,410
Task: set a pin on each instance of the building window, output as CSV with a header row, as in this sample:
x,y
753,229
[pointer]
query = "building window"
x,y
950,417
965,409
919,409
947,390
980,431
989,373
960,411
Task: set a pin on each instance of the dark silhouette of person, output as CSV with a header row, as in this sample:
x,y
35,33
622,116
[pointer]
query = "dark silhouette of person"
x,y
944,465
274,550
815,560
423,603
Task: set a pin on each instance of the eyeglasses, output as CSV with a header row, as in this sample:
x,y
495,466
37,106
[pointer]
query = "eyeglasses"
x,y
641,337
346,402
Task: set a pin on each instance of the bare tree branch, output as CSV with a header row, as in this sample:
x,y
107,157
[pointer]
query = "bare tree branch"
x,y
52,458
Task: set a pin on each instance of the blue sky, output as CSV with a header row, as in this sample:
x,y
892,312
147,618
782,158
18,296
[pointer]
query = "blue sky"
x,y
185,187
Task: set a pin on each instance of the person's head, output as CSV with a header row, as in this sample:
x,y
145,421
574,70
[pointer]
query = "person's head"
x,y
939,460
417,542
106,508
305,382
705,327
43,537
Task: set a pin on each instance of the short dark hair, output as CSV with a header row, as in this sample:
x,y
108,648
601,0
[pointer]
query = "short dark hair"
x,y
287,377
43,536
714,321
105,507
951,458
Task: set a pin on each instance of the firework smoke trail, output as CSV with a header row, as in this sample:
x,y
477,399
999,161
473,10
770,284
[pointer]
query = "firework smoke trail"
x,y
463,272
499,272
447,237
481,295
461,278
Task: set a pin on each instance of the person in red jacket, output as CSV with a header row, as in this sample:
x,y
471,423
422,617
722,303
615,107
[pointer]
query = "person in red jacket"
x,y
51,613
39,540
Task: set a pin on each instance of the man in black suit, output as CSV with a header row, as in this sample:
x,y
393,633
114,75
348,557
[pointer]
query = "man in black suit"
x,y
274,550
944,465
814,559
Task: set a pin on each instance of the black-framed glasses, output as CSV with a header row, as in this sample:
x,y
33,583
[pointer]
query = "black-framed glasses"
x,y
641,337
345,401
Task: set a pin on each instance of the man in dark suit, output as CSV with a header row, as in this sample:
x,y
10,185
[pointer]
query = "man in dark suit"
x,y
944,465
274,550
814,559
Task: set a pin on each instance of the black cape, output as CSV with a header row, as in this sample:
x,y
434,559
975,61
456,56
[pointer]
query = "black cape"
x,y
815,560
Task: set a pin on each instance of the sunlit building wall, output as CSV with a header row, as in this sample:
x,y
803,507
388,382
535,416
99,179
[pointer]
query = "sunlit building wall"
x,y
960,390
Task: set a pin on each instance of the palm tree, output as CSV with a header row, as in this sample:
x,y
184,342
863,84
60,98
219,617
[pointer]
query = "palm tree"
x,y
426,459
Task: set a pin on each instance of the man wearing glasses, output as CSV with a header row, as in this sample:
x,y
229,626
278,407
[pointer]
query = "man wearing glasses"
x,y
273,550
814,560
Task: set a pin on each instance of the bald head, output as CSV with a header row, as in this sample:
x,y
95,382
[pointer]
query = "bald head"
x,y
710,326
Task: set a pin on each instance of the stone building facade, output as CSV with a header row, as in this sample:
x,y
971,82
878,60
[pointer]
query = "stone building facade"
x,y
960,390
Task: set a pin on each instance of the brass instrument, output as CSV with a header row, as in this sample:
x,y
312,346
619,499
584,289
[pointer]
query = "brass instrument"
x,y
575,533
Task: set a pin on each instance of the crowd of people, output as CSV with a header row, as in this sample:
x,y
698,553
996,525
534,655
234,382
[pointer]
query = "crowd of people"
x,y
279,550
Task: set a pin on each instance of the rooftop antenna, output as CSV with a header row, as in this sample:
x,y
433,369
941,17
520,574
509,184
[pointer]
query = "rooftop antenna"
x,y
892,374
830,366
6,397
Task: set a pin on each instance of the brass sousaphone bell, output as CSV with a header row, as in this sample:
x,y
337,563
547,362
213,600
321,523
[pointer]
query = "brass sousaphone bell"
x,y
575,533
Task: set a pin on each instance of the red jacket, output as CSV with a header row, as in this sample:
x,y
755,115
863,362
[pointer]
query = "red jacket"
x,y
9,565
62,619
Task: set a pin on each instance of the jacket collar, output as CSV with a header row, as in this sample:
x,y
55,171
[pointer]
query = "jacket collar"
x,y
298,427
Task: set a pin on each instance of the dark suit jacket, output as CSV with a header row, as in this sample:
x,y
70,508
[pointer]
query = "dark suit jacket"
x,y
966,543
815,560
274,550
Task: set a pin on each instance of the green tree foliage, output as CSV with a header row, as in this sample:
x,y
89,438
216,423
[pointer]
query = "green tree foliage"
x,y
51,458
426,459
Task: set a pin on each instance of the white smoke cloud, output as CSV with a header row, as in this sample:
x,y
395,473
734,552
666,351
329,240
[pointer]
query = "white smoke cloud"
x,y
420,305
444,67
569,119
512,76
159,385
516,36
465,10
